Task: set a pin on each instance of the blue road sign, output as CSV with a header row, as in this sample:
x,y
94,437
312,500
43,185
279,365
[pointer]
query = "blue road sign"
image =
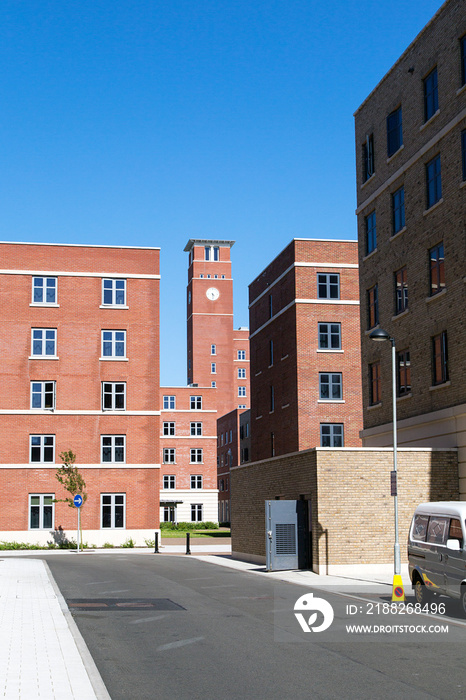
x,y
78,500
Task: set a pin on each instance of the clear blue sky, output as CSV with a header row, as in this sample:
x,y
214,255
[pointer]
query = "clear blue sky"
x,y
149,122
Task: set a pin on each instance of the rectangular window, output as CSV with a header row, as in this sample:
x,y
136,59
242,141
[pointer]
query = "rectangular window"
x,y
463,59
169,403
404,373
241,373
196,481
401,290
168,428
440,358
241,391
42,448
437,269
241,405
113,343
213,384
213,368
196,456
196,512
169,481
169,455
394,132
44,342
463,153
41,511
270,355
213,349
44,290
241,355
43,395
272,444
371,233
330,386
270,306
113,292
196,403
430,94
113,396
433,181
398,210
329,336
113,448
212,252
196,428
331,435
374,384
372,306
328,286
272,399
368,158
113,506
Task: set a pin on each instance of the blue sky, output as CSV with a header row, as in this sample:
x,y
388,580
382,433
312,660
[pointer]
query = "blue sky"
x,y
142,122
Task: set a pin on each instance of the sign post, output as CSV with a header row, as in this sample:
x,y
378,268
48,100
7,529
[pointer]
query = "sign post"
x,y
78,501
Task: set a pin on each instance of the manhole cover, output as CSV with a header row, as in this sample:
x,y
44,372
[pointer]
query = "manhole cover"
x,y
123,604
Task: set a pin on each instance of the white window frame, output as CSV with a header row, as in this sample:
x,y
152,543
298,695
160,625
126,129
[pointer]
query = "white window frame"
x,y
169,402
41,505
113,505
169,428
42,447
196,455
242,405
197,481
241,373
213,368
169,482
328,334
195,403
113,447
197,509
241,391
42,394
332,434
211,253
114,288
113,395
44,288
169,455
43,340
335,379
241,354
113,340
213,385
195,428
213,349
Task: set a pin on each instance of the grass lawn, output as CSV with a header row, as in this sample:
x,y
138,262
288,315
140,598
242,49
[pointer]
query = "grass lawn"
x,y
221,532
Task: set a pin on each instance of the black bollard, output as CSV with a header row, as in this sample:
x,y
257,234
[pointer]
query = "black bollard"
x,y
156,543
188,550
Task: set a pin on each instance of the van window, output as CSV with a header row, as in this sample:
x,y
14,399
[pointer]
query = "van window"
x,y
437,532
455,531
420,527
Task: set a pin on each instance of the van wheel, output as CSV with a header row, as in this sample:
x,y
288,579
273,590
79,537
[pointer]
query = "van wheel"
x,y
421,593
463,599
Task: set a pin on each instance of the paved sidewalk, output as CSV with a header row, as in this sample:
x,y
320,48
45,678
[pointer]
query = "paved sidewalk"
x,y
42,653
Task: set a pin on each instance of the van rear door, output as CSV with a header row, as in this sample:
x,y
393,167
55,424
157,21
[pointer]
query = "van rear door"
x,y
455,560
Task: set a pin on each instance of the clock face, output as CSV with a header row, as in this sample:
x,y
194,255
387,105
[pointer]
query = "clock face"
x,y
212,293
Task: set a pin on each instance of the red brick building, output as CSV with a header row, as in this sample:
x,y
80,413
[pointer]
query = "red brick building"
x,y
305,350
79,346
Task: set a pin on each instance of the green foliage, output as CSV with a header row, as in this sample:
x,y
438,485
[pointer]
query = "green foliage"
x,y
23,545
129,543
188,526
108,545
72,481
150,543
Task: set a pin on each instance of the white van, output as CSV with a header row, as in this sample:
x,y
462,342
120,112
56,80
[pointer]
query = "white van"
x,y
436,553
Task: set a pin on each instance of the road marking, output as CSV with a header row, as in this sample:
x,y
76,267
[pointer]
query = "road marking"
x,y
181,643
147,619
122,590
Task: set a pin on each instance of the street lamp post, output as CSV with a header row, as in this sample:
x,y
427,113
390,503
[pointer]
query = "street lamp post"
x,y
380,335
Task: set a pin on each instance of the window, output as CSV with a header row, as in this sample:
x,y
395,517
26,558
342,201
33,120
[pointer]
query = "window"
x,y
169,481
440,358
113,292
463,59
398,210
196,512
113,396
169,514
231,436
242,405
404,373
241,373
272,444
270,355
329,336
272,399
168,428
41,509
368,158
196,403
372,306
330,386
169,455
213,384
44,342
196,481
213,368
401,290
463,152
437,530
241,355
375,386
394,132
371,233
113,506
437,269
44,290
328,286
270,306
331,435
430,94
169,403
434,181
222,485
42,448
213,349
113,343
196,456
43,395
212,252
196,429
113,448
241,391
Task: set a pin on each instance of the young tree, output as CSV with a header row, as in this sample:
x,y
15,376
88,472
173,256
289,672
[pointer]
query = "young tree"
x,y
72,480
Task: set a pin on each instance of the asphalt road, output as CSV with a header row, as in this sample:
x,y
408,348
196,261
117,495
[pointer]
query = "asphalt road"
x,y
176,628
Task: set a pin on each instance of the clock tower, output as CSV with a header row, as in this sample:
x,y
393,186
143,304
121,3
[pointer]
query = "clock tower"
x,y
213,346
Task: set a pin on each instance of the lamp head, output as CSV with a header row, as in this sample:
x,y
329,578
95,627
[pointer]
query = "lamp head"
x,y
379,334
